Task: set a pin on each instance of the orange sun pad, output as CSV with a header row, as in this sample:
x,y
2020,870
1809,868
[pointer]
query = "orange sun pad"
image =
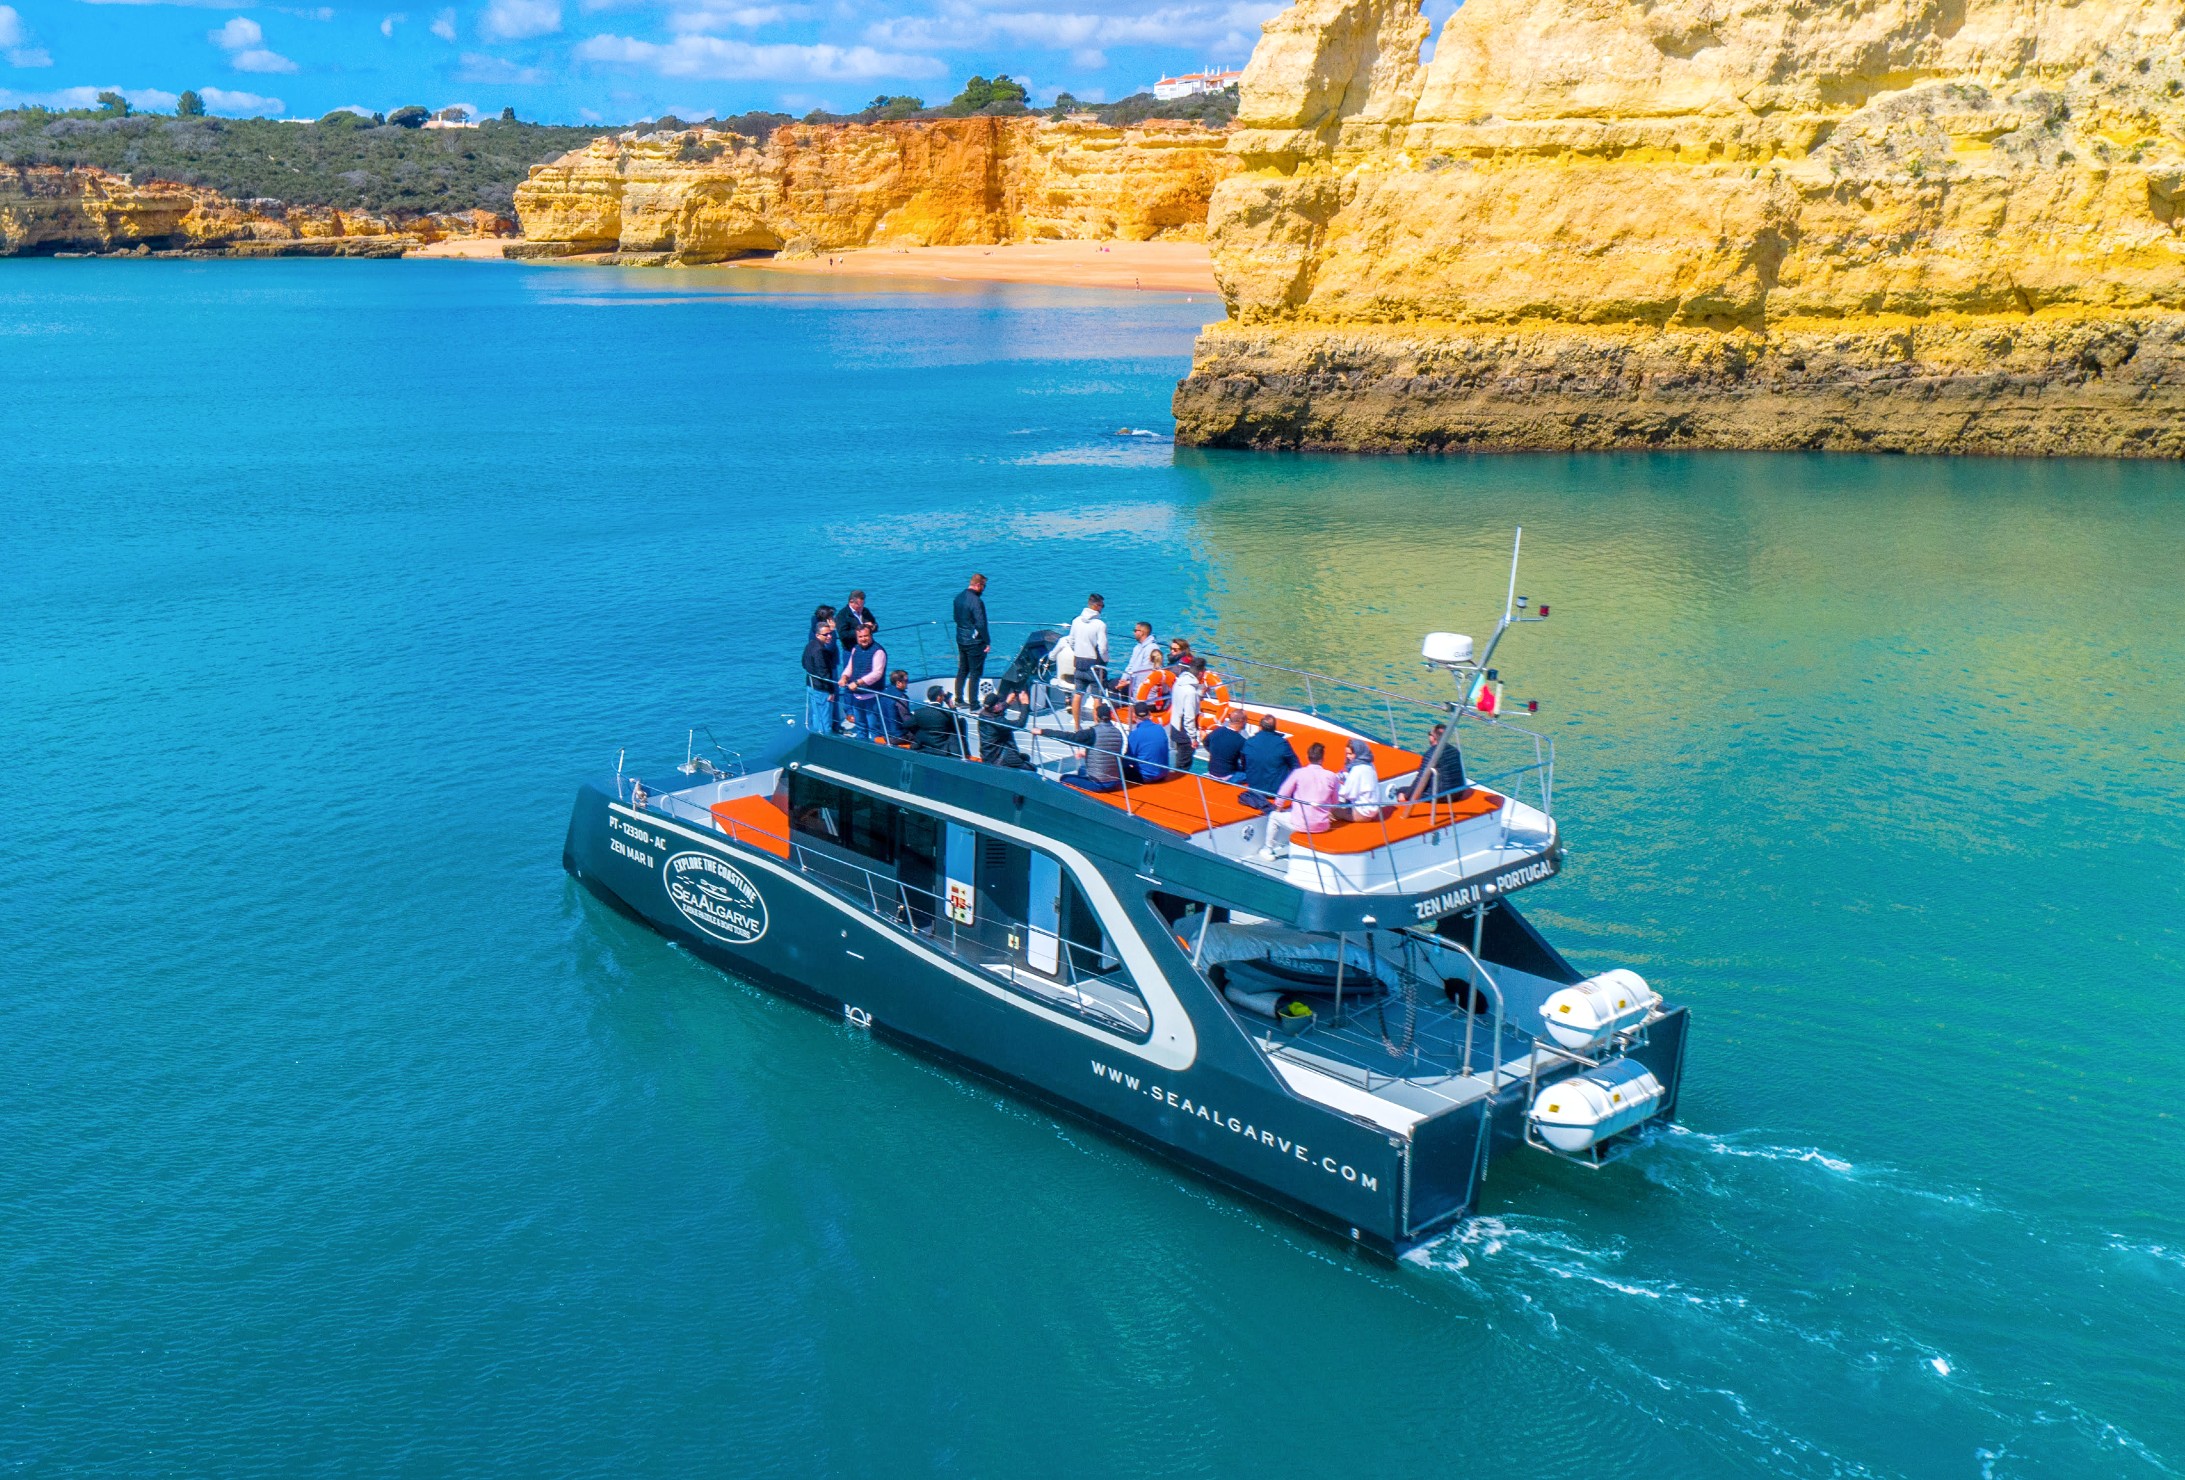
x,y
1399,823
1184,804
756,822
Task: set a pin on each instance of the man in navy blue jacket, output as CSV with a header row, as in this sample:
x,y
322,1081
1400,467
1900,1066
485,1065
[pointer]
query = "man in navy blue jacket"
x,y
1268,762
1145,751
1225,748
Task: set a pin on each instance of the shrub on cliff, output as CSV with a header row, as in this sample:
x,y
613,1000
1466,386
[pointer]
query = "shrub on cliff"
x,y
1001,96
410,117
343,160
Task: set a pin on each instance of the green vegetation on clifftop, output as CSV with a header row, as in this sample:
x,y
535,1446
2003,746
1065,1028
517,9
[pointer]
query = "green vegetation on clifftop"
x,y
351,163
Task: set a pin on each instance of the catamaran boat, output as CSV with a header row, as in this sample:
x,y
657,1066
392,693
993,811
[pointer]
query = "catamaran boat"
x,y
1354,1030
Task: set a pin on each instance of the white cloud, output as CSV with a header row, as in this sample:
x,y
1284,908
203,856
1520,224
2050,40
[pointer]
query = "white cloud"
x,y
387,26
15,42
240,38
193,4
443,25
238,34
716,17
715,59
147,99
518,20
1092,59
241,104
956,25
479,67
320,13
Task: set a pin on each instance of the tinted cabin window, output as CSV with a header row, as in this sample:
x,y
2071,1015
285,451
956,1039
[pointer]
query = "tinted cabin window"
x,y
865,825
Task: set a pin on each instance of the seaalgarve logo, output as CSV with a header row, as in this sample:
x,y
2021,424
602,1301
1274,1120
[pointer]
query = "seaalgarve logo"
x,y
714,897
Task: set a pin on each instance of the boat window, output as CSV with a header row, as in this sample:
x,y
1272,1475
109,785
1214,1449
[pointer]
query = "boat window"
x,y
866,825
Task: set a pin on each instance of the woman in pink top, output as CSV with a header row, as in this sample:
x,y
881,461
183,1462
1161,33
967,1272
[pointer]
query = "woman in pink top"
x,y
1305,801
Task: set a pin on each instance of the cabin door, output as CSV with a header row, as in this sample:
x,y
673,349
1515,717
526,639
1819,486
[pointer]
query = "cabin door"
x,y
1043,919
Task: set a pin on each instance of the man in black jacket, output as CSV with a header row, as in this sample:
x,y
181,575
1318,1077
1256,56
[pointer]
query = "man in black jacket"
x,y
972,639
821,664
1447,777
933,729
998,737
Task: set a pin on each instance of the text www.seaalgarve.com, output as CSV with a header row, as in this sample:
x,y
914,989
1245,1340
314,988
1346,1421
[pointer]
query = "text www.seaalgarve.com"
x,y
1230,1123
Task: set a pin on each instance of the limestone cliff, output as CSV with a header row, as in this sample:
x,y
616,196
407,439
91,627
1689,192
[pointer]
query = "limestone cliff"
x,y
700,196
45,210
1940,225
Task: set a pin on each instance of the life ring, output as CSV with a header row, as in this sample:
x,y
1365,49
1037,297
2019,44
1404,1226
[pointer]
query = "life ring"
x,y
1213,700
1154,689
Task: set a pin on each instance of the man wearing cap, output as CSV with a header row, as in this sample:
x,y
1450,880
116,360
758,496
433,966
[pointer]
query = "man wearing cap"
x,y
1145,751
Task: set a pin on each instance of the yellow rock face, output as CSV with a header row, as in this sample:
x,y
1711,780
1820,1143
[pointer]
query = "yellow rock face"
x,y
700,196
1609,222
88,210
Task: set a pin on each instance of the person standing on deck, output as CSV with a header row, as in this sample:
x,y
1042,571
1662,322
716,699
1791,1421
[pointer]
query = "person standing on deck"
x,y
864,675
972,639
820,668
1183,699
1088,640
1145,657
1305,801
855,614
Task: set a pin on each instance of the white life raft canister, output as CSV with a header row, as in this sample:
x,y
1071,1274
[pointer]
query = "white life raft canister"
x,y
1579,1113
1587,1015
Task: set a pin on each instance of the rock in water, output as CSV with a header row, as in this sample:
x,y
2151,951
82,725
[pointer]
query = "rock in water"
x,y
1943,226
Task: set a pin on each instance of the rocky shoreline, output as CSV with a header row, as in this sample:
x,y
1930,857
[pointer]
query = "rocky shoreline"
x,y
85,212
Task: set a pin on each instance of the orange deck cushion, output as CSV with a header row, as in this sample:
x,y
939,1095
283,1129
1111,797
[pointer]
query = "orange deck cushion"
x,y
1401,822
1182,804
756,822
1389,761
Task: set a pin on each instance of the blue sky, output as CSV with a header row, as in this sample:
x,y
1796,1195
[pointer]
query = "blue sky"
x,y
589,61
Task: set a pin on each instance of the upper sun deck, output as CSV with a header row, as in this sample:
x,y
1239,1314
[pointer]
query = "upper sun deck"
x,y
1440,849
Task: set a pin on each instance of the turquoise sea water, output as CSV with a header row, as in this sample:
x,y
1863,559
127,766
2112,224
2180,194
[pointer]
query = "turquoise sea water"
x,y
343,1135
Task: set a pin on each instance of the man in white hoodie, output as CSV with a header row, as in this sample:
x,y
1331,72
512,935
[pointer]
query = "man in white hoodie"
x,y
1088,642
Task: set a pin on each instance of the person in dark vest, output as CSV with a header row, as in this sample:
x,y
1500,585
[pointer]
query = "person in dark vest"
x,y
933,727
820,667
864,675
972,639
1102,766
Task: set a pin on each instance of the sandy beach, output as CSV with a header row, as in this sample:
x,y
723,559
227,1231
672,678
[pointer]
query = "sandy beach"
x,y
471,248
1165,267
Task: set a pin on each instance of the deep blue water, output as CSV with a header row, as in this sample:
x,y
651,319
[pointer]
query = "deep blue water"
x,y
344,1135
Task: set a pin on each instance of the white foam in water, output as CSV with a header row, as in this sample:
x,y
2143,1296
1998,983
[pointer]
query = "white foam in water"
x,y
1940,1365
